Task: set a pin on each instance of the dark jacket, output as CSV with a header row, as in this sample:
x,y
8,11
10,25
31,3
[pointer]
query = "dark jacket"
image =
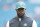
x,y
25,22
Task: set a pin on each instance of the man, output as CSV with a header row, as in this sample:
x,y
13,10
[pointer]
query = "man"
x,y
21,20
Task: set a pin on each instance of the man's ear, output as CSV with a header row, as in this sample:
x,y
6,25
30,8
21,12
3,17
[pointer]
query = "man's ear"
x,y
25,9
16,10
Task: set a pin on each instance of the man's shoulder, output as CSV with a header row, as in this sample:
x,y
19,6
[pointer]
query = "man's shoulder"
x,y
29,18
13,19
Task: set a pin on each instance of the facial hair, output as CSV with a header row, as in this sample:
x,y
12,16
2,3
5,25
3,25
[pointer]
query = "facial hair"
x,y
21,16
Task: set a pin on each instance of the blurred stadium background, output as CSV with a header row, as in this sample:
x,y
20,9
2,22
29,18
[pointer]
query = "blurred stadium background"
x,y
7,10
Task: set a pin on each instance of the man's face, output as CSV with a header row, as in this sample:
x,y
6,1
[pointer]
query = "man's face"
x,y
20,11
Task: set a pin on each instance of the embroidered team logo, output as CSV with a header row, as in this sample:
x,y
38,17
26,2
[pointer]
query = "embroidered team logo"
x,y
25,24
20,4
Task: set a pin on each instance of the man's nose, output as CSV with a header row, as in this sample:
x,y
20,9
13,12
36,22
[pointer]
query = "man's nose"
x,y
21,10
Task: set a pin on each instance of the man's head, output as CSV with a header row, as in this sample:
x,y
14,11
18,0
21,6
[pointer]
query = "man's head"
x,y
21,11
20,8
